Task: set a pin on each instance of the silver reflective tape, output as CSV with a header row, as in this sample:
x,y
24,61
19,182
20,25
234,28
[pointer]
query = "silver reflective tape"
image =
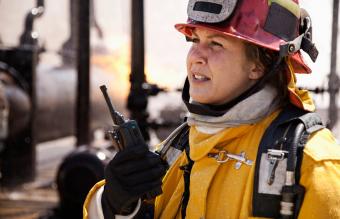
x,y
166,144
167,152
171,155
210,11
290,178
280,175
286,208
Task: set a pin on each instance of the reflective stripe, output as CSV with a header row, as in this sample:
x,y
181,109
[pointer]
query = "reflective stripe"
x,y
90,196
289,5
92,208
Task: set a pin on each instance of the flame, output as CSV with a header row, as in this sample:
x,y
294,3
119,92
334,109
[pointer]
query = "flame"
x,y
116,63
165,76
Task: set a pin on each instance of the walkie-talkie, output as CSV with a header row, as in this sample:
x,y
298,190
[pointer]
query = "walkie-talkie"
x,y
125,134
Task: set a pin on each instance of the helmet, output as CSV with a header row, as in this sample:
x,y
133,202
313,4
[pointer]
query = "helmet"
x,y
279,25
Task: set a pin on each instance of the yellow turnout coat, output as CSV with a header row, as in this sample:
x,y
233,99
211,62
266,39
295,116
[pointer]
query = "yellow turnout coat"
x,y
218,190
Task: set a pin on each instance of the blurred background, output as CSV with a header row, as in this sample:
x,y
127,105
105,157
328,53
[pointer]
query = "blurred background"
x,y
53,117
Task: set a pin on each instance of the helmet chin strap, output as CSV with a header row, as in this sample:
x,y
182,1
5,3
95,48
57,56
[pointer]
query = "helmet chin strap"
x,y
219,110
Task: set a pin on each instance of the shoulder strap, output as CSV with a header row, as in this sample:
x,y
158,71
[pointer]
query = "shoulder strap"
x,y
280,151
173,146
186,177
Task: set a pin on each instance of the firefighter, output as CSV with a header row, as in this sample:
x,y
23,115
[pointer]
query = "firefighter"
x,y
235,155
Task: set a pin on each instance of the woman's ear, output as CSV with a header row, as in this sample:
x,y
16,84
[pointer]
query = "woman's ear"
x,y
256,71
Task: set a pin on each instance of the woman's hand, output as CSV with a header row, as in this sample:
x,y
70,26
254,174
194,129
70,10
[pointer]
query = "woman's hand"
x,y
129,176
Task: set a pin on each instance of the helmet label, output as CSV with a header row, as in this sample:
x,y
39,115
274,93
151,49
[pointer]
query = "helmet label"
x,y
208,7
211,11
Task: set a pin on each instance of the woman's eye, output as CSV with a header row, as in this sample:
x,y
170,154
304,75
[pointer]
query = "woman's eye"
x,y
214,43
193,40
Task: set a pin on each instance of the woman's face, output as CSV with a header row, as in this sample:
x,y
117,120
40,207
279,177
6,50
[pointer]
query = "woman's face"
x,y
217,67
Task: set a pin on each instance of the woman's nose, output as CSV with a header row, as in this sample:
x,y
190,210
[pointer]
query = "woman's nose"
x,y
197,55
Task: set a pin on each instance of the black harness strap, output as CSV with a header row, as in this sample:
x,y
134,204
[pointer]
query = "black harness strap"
x,y
186,176
310,122
299,125
182,143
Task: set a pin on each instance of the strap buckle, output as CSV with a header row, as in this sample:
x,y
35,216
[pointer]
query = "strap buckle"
x,y
274,156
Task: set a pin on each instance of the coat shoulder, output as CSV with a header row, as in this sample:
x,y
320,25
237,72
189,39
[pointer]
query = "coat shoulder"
x,y
322,146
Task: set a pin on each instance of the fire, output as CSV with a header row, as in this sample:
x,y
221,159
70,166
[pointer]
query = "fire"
x,y
116,63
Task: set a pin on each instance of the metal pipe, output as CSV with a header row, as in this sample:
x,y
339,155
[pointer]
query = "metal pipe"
x,y
137,43
29,36
19,150
56,102
20,108
334,81
138,98
68,48
83,66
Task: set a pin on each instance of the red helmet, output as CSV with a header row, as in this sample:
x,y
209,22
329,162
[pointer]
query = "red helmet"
x,y
278,25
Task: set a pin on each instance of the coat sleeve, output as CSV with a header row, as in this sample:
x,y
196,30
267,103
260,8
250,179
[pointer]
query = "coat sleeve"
x,y
320,175
92,206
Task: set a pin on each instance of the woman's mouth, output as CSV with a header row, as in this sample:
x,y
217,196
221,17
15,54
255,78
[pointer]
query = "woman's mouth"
x,y
198,77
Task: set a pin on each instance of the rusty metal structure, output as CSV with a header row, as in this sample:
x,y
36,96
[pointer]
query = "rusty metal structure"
x,y
140,89
19,82
32,100
138,99
83,66
35,108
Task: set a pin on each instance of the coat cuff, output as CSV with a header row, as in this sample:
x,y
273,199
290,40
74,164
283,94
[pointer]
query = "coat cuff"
x,y
96,210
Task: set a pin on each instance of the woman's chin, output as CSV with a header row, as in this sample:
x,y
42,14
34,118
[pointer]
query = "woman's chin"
x,y
200,97
201,100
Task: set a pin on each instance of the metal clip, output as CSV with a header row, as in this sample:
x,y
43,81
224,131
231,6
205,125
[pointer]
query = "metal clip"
x,y
274,156
224,156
